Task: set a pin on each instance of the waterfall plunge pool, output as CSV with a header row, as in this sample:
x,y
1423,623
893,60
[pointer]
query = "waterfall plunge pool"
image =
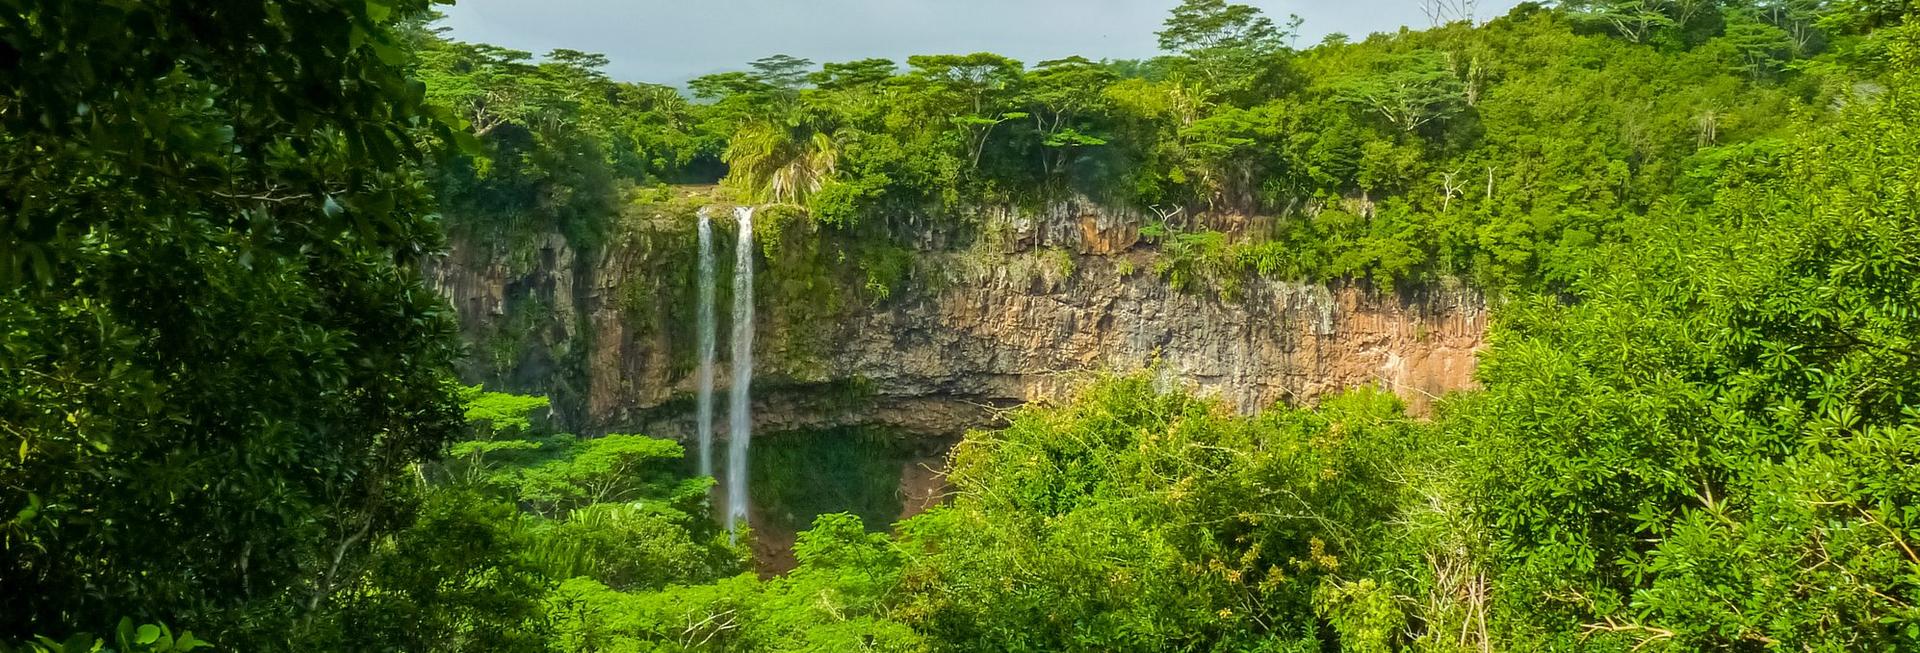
x,y
879,474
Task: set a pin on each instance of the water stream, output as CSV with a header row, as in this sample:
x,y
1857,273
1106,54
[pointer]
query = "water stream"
x,y
739,416
704,427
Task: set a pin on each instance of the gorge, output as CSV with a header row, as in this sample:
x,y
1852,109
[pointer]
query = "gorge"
x,y
1065,293
861,402
1589,327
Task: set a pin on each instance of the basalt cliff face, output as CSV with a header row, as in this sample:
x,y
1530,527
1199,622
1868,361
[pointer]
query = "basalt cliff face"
x,y
1063,294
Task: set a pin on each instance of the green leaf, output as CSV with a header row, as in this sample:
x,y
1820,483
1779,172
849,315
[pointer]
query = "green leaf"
x,y
32,510
80,643
188,642
389,54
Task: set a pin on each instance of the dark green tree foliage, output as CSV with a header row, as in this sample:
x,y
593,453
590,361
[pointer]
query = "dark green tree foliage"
x,y
782,71
1224,47
227,383
1636,20
509,521
1066,106
837,600
1134,520
1715,445
559,142
216,353
1407,90
1706,443
1494,153
457,579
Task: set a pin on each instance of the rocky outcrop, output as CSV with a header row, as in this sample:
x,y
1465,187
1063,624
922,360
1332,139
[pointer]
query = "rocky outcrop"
x,y
1064,294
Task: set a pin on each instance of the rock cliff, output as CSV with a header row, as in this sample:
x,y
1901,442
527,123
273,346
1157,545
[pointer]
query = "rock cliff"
x,y
1063,293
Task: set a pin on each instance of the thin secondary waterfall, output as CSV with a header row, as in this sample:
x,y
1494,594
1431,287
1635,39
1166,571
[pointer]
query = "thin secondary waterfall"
x,y
739,424
707,345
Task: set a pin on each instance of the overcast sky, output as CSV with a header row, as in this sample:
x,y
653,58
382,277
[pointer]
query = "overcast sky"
x,y
670,41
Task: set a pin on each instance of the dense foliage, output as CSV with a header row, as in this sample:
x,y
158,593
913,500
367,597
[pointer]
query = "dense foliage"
x,y
507,516
1500,152
562,144
1698,428
217,358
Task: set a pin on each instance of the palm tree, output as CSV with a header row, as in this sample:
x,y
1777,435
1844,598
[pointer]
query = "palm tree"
x,y
781,163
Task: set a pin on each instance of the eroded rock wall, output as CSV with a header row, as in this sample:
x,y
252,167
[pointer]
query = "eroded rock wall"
x,y
1066,293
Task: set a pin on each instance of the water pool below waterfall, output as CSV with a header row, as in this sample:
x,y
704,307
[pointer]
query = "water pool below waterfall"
x,y
879,475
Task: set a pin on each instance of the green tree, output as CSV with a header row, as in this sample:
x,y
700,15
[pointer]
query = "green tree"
x,y
1720,427
480,82
1759,47
219,359
853,74
781,163
782,71
1227,44
973,92
1067,95
1408,91
1132,520
1634,20
457,579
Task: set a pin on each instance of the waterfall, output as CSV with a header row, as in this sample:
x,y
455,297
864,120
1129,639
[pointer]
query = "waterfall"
x,y
706,319
739,424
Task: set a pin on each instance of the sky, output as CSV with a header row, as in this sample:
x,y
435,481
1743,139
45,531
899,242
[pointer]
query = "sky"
x,y
671,41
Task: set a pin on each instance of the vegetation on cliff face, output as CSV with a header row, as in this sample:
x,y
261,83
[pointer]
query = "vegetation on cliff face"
x,y
1499,152
234,410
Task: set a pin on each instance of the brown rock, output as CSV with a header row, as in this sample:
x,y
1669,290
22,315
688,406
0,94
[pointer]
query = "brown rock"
x,y
1000,329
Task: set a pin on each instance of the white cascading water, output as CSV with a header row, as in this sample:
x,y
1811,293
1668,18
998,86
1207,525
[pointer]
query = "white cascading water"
x,y
707,345
739,424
